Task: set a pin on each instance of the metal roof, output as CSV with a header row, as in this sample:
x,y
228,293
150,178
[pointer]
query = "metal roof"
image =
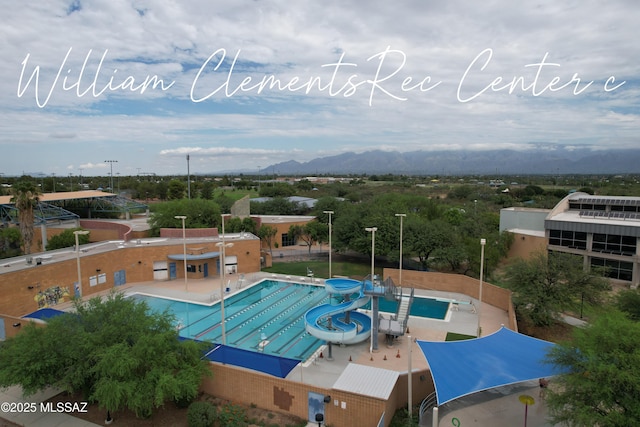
x,y
367,381
48,207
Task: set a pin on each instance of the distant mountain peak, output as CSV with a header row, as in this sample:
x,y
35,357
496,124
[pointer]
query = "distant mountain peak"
x,y
540,161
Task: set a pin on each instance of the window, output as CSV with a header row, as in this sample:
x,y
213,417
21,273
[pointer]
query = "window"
x,y
191,268
613,269
614,244
287,241
569,239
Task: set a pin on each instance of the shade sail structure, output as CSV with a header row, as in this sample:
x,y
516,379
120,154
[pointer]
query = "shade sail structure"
x,y
460,368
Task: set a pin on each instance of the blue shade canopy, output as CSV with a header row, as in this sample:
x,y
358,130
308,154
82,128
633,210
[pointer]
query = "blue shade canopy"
x,y
44,314
505,357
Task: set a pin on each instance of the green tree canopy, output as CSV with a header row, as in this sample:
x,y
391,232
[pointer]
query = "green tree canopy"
x,y
10,240
200,213
266,233
628,301
176,189
602,383
310,233
67,239
114,351
544,286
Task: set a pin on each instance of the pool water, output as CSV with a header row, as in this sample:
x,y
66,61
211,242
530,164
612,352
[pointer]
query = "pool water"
x,y
422,307
268,317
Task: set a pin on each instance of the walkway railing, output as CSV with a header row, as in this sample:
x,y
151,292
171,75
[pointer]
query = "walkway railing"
x,y
427,404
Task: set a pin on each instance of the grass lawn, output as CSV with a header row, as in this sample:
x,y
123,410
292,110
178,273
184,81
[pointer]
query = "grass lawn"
x,y
321,269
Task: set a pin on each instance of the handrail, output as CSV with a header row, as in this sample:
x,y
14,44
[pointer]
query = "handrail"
x,y
427,404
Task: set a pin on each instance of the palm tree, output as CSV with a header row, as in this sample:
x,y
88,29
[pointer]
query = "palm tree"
x,y
25,197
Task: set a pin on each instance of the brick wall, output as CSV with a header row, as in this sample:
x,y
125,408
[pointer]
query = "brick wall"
x,y
106,230
19,290
176,233
271,393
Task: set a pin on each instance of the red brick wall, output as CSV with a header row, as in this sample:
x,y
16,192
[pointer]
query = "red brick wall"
x,y
16,297
176,233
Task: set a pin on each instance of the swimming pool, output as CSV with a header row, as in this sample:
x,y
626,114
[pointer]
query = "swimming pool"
x,y
430,308
267,317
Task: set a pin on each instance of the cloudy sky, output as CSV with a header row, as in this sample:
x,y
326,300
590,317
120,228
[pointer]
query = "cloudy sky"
x,y
245,84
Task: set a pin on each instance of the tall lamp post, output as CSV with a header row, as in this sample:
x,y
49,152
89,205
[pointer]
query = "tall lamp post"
x,y
401,216
374,300
111,162
482,243
76,234
222,245
329,213
184,250
188,180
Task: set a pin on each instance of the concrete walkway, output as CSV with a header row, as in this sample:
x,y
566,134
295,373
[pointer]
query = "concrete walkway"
x,y
35,415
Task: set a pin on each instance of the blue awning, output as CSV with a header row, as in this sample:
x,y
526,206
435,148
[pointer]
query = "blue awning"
x,y
460,368
207,255
44,314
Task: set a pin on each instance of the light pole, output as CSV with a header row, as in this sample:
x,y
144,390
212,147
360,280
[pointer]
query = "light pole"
x,y
76,234
329,213
482,243
188,180
222,245
111,162
401,216
374,300
184,250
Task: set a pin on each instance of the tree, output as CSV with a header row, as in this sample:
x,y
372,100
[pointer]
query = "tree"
x,y
10,239
26,196
426,237
544,286
267,233
602,381
176,189
200,213
207,190
628,301
300,232
67,239
113,350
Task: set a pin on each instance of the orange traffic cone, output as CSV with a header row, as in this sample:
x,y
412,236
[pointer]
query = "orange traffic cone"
x,y
398,355
385,357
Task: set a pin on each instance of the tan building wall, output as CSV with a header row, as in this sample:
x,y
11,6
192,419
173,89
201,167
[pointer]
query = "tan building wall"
x,y
458,283
291,397
25,290
524,245
282,228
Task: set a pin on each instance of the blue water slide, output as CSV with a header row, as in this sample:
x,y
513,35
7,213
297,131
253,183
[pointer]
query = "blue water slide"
x,y
359,326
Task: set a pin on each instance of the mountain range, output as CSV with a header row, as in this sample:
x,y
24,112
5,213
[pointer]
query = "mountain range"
x,y
486,162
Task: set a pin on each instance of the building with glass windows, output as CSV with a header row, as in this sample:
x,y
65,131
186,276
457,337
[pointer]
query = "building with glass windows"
x,y
604,230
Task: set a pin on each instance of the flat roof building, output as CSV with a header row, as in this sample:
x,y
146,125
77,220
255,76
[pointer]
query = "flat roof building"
x,y
604,230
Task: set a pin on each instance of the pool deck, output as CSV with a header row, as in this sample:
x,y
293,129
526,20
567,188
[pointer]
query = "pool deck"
x,y
322,372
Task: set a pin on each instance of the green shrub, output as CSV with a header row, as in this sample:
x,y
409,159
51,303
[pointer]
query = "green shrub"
x,y
231,415
201,414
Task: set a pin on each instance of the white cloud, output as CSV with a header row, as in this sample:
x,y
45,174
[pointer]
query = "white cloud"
x,y
288,40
